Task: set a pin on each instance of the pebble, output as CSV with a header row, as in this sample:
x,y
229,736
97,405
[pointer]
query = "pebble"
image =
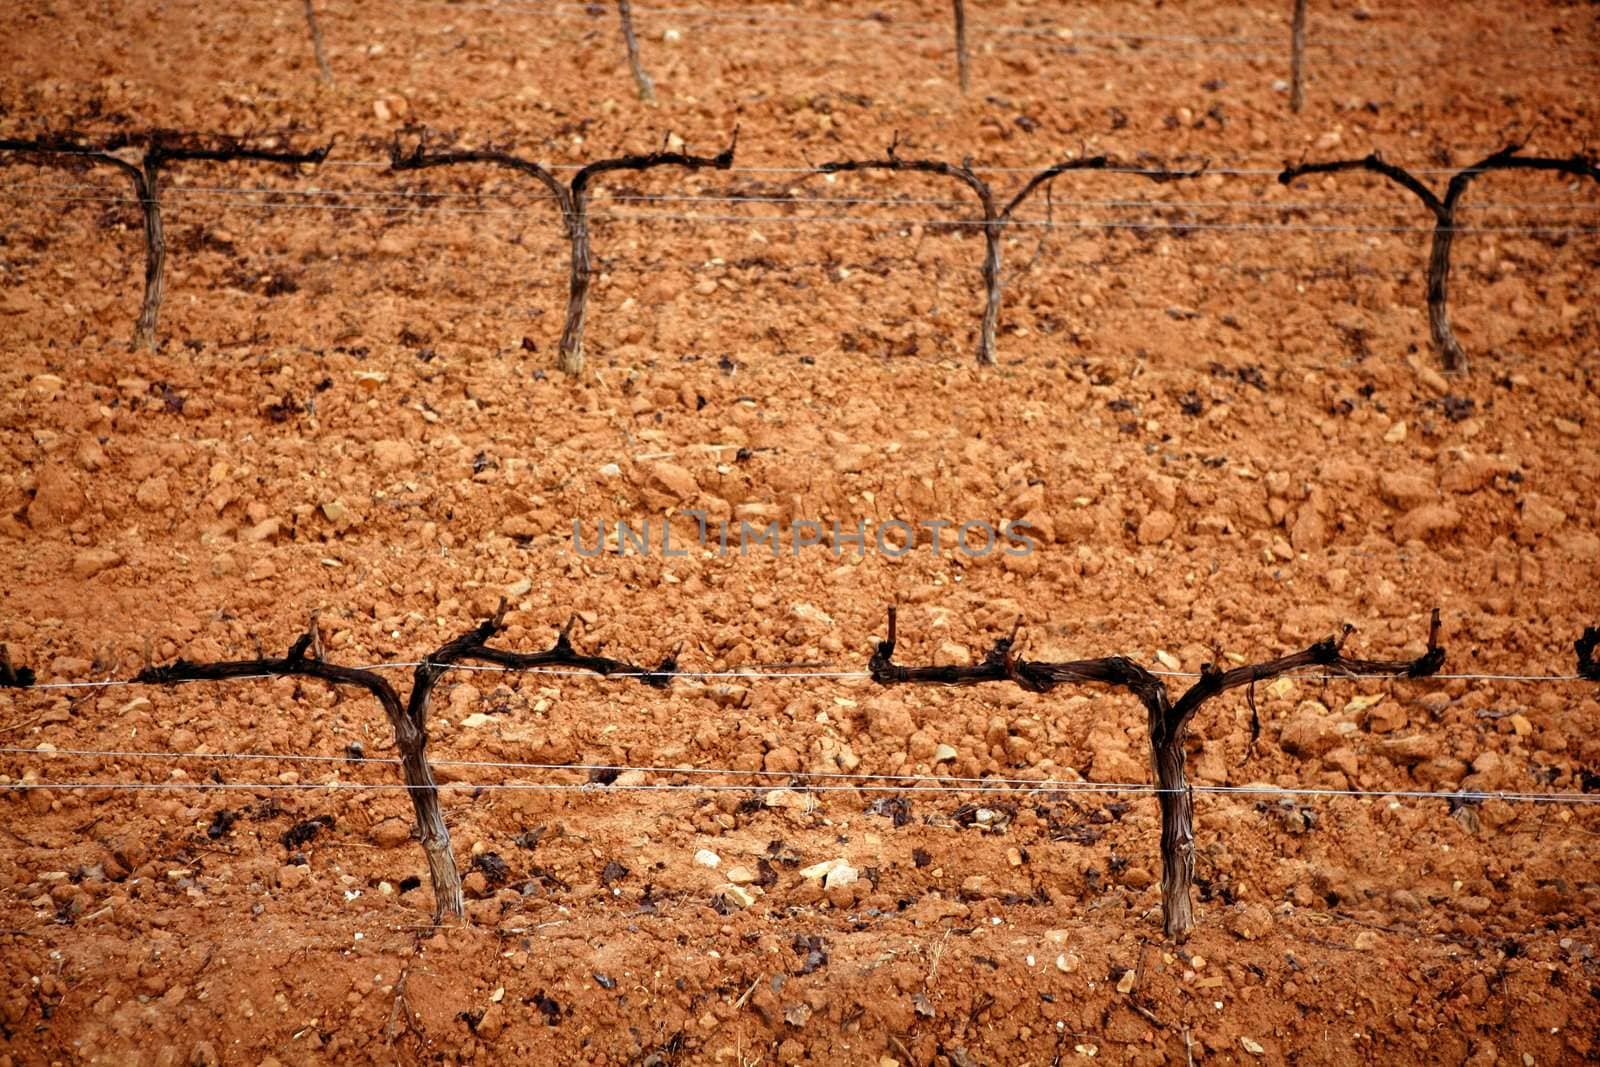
x,y
390,833
91,561
706,858
820,870
1156,527
842,874
1249,922
1405,491
1419,524
1068,962
57,500
788,798
944,754
393,455
741,875
1310,731
738,895
671,479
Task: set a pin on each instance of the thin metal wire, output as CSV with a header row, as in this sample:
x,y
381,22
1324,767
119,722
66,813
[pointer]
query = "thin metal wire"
x,y
1234,171
227,193
788,777
747,673
858,220
1059,36
713,787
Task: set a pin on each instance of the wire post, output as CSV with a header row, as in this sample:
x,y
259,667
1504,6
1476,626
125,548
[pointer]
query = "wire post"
x,y
325,71
961,45
1297,55
647,88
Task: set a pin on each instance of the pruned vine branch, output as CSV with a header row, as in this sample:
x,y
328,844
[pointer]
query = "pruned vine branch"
x,y
1169,716
13,677
407,716
1168,719
573,200
995,215
409,720
1443,208
1588,666
142,159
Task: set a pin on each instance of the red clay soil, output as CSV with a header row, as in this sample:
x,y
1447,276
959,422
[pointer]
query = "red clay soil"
x,y
1227,437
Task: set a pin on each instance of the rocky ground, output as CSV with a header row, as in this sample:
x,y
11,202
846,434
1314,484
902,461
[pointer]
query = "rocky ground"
x,y
1228,440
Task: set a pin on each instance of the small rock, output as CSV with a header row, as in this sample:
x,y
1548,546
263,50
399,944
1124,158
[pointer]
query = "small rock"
x,y
393,455
292,876
738,895
45,386
492,1022
1156,527
1137,878
1129,979
1309,731
1252,1046
706,858
265,530
1395,434
944,754
1250,921
1068,962
1539,516
476,720
1421,523
820,870
841,875
153,493
91,561
741,875
671,479
788,798
390,833
57,500
1406,491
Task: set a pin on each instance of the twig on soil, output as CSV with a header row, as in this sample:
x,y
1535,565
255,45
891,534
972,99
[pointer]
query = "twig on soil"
x,y
1444,214
573,200
745,996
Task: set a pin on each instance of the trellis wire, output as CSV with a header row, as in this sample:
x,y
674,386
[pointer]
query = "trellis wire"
x,y
732,674
1059,38
711,787
858,220
908,782
229,193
